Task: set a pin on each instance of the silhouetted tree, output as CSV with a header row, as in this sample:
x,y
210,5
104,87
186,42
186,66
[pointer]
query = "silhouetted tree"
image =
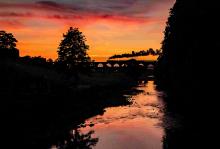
x,y
73,49
180,39
8,48
192,30
151,51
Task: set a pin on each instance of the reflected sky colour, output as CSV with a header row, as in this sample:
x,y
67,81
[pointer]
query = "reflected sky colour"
x,y
134,126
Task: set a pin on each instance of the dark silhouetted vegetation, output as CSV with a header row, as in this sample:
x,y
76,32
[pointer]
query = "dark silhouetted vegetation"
x,y
37,61
192,30
46,98
72,53
73,49
78,140
8,48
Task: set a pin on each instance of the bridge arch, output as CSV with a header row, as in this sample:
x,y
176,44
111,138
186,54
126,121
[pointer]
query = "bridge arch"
x,y
150,66
141,65
108,65
124,65
116,65
100,65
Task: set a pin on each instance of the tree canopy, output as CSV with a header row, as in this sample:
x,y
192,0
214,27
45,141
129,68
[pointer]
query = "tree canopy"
x,y
8,46
180,38
73,48
191,34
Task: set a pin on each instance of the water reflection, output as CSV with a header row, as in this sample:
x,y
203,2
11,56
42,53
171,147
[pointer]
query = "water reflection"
x,y
77,140
134,126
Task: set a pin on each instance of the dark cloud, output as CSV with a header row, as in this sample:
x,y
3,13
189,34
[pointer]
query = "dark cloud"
x,y
14,14
68,9
48,3
51,5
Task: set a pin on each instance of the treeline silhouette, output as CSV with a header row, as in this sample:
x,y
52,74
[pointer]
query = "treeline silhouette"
x,y
135,54
37,61
9,51
184,67
42,98
72,54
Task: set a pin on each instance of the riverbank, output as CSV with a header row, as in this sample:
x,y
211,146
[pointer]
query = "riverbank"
x,y
40,108
40,121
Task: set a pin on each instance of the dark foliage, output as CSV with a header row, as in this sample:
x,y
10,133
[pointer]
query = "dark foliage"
x,y
37,61
73,49
191,31
8,48
72,54
79,140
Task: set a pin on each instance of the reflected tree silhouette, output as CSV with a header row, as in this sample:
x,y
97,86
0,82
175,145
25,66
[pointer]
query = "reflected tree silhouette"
x,y
78,140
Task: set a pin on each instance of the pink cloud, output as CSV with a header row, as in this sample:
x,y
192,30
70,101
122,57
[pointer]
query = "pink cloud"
x,y
53,10
11,24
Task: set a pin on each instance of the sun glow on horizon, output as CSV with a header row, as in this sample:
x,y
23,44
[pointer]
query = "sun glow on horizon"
x,y
39,26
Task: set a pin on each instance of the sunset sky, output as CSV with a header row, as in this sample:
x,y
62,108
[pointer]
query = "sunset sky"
x,y
110,26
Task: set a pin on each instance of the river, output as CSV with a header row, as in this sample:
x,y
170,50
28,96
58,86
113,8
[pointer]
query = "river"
x,y
135,126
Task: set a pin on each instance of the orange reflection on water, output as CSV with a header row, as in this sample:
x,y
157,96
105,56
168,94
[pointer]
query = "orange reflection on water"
x,y
132,126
